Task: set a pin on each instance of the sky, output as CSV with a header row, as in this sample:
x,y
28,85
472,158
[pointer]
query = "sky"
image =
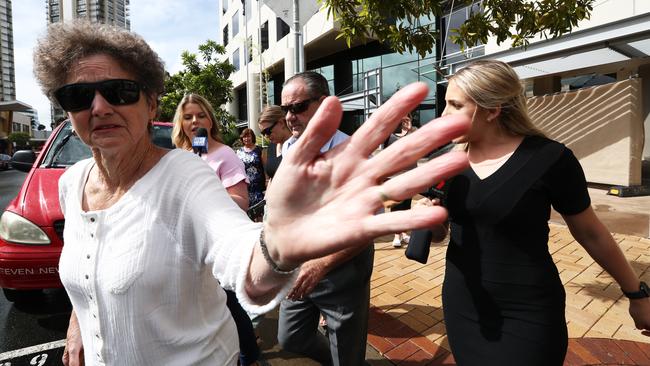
x,y
169,26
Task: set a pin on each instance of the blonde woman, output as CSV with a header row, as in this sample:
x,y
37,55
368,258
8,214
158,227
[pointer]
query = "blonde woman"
x,y
503,299
194,112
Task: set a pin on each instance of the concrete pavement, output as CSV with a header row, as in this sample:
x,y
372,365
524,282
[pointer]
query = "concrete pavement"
x,y
406,325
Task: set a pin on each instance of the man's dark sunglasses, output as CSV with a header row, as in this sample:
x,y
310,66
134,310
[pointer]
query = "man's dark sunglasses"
x,y
267,131
78,97
297,108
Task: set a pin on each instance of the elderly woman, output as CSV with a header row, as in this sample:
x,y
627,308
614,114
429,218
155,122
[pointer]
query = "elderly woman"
x,y
194,112
151,235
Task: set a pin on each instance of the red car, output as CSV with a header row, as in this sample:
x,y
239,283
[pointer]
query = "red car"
x,y
31,227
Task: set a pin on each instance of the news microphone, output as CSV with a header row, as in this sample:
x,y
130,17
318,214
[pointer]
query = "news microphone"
x,y
200,141
420,241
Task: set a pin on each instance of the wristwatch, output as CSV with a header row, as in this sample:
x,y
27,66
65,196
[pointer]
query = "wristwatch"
x,y
644,291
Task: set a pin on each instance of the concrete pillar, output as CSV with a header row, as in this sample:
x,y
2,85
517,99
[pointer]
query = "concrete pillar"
x,y
253,98
644,74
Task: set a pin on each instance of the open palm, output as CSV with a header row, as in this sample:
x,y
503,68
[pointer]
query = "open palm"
x,y
321,203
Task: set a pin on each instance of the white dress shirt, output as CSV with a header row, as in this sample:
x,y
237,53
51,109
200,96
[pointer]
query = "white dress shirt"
x,y
142,274
338,138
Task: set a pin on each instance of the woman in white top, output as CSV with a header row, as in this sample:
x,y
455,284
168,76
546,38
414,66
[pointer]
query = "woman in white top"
x,y
149,232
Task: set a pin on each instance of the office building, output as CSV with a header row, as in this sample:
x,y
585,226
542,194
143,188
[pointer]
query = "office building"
x,y
115,12
590,89
7,81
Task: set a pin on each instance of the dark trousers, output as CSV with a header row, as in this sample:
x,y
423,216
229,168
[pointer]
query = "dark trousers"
x,y
249,352
343,298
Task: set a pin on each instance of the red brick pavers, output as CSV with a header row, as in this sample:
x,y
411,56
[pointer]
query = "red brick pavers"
x,y
406,324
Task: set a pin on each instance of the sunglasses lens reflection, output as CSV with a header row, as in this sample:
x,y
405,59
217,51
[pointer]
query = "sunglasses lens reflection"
x,y
296,108
267,131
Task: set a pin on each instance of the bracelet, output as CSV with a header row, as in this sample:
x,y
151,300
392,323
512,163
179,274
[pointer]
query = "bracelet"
x,y
274,266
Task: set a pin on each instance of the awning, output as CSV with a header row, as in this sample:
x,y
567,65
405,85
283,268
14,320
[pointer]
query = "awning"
x,y
14,105
601,45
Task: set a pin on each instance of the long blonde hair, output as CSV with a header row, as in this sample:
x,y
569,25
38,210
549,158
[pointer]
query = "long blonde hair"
x,y
179,137
491,84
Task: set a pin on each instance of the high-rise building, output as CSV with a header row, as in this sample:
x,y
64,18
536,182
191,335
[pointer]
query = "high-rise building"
x,y
7,80
115,12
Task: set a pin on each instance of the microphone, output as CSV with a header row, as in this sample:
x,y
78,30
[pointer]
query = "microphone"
x,y
200,141
420,242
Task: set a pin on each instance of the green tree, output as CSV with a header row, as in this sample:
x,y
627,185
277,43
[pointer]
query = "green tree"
x,y
21,139
515,20
208,77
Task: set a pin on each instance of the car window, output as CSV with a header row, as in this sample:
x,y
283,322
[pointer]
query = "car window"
x,y
161,135
66,149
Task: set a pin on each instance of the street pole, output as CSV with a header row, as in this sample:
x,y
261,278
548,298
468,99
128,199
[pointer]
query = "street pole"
x,y
259,47
298,50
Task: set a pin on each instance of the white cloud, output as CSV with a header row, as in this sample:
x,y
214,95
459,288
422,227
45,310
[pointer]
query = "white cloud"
x,y
169,26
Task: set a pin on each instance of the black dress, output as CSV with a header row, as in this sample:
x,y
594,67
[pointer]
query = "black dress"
x,y
503,300
272,160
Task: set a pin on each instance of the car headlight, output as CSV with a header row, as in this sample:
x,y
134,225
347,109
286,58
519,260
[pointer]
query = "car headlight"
x,y
17,229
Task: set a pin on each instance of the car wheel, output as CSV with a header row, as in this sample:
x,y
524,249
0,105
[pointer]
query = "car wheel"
x,y
17,296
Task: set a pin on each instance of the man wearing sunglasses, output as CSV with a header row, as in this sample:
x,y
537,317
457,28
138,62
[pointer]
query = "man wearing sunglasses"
x,y
302,94
336,286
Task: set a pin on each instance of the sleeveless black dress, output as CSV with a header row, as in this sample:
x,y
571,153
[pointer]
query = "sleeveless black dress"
x,y
503,300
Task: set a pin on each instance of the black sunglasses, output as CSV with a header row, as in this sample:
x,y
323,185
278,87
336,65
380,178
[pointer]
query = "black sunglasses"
x,y
297,108
78,97
267,131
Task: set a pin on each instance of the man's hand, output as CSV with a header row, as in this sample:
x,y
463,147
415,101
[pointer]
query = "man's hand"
x,y
73,353
311,273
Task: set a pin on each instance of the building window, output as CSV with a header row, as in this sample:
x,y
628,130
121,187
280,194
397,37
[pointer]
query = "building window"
x,y
235,59
242,104
264,41
451,53
225,35
235,24
282,28
248,50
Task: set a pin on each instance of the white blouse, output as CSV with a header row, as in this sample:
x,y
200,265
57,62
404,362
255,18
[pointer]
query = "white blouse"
x,y
141,274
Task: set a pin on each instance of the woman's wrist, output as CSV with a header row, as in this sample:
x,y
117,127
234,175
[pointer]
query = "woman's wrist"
x,y
272,257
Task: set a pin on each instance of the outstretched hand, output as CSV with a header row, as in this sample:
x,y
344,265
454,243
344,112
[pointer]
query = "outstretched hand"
x,y
319,203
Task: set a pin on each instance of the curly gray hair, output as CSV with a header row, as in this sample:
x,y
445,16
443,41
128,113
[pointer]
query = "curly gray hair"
x,y
65,44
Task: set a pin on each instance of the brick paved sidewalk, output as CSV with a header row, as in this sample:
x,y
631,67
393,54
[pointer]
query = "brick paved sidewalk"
x,y
406,324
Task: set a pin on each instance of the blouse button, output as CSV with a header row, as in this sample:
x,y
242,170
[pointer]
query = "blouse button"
x,y
92,235
92,219
88,256
87,277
